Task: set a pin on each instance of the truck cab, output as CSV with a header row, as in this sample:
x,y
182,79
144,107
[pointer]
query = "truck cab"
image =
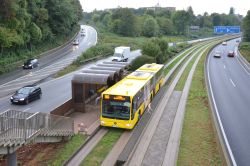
x,y
121,54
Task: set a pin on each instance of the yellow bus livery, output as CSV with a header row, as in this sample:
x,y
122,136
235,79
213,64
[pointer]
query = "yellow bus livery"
x,y
157,69
124,103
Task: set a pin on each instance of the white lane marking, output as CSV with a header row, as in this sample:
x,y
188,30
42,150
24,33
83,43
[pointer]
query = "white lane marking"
x,y
40,75
26,109
219,119
20,83
232,82
11,89
52,70
242,66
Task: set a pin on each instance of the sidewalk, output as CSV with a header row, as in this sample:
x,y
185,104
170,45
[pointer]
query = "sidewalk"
x,y
86,122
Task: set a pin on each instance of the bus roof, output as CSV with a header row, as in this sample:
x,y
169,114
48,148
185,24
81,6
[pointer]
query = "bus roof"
x,y
150,67
130,85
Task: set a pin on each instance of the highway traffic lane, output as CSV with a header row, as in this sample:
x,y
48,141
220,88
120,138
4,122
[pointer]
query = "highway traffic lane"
x,y
55,92
233,103
69,50
43,61
11,86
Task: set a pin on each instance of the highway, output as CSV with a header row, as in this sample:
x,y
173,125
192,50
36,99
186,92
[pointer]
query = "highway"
x,y
49,64
55,92
229,84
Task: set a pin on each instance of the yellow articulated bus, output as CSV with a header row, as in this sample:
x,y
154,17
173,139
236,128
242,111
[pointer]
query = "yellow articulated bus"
x,y
158,70
124,103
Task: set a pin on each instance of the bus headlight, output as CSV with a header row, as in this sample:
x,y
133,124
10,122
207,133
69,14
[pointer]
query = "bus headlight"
x,y
128,124
102,122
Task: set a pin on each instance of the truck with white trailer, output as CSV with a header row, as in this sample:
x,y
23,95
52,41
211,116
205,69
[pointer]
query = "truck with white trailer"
x,y
121,54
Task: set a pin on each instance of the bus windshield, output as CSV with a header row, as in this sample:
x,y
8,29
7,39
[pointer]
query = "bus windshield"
x,y
116,109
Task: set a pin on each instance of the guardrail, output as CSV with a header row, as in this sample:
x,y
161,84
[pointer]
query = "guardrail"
x,y
243,61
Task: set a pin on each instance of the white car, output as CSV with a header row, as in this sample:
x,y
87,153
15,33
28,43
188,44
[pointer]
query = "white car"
x,y
217,54
224,43
76,42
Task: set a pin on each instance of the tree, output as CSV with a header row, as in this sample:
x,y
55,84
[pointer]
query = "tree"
x,y
6,11
156,48
246,27
126,20
180,20
163,45
150,27
216,19
231,11
35,32
151,49
95,18
165,25
62,15
206,21
106,19
191,15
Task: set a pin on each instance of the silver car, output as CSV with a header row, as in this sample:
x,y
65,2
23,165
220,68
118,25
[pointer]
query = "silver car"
x,y
217,54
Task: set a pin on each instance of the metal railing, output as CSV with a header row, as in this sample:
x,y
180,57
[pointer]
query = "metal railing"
x,y
18,125
15,114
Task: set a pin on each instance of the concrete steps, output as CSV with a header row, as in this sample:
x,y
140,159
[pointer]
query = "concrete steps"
x,y
18,128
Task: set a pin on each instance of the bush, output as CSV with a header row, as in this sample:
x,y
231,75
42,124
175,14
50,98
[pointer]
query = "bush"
x,y
245,50
151,49
157,48
245,46
141,60
98,50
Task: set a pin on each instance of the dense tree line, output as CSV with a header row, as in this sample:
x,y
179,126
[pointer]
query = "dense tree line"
x,y
148,22
246,27
24,23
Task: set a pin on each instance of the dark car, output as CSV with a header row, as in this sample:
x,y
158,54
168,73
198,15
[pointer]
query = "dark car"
x,y
83,33
26,94
230,54
30,64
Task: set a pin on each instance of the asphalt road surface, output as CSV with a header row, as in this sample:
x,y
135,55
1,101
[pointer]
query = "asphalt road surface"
x,y
230,82
55,92
48,65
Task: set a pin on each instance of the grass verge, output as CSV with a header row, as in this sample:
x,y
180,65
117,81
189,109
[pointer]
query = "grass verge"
x,y
181,83
245,50
68,149
108,41
66,70
98,154
198,141
170,66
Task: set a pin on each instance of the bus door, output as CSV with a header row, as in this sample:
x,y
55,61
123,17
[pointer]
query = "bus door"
x,y
147,94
